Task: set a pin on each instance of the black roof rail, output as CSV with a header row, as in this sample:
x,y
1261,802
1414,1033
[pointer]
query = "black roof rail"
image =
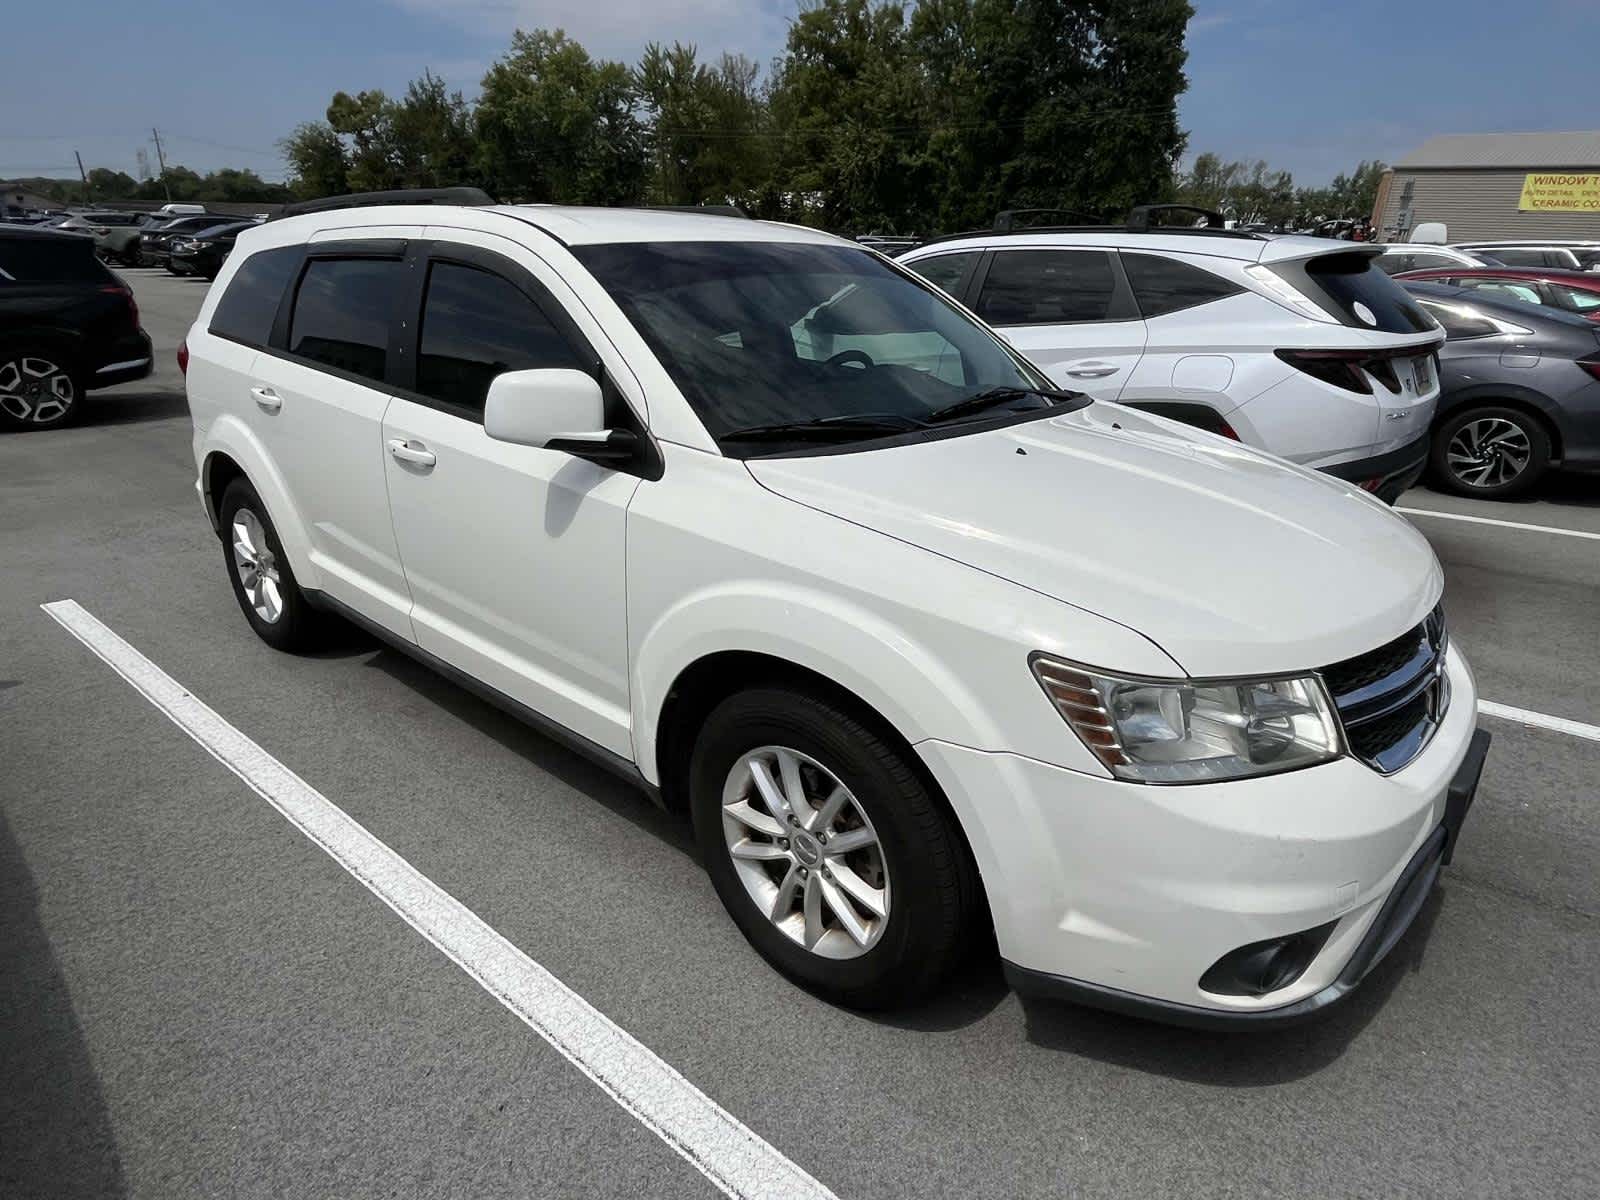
x,y
1139,216
1008,221
469,197
710,210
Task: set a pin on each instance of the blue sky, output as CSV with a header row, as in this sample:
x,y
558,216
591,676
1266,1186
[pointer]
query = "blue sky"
x,y
1308,85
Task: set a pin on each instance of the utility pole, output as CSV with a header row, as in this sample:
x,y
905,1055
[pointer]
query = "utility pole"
x,y
88,195
162,159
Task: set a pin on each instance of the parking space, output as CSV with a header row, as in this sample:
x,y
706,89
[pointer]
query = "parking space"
x,y
208,1004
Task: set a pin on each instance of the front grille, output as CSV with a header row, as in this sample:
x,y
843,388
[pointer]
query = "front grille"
x,y
1390,700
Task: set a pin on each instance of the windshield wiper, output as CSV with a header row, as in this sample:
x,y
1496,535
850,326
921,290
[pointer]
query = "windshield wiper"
x,y
993,398
841,427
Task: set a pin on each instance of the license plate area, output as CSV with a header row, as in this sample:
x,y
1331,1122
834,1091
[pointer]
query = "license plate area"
x,y
1422,375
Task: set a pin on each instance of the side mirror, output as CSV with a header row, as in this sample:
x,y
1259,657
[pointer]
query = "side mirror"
x,y
536,408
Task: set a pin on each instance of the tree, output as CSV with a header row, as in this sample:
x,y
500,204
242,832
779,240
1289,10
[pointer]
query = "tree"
x,y
106,184
707,127
317,165
366,126
554,125
430,133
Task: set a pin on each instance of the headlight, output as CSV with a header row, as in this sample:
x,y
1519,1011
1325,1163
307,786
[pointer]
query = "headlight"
x,y
1193,731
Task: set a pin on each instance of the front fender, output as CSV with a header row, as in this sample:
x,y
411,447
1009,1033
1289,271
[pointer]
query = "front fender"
x,y
230,436
899,678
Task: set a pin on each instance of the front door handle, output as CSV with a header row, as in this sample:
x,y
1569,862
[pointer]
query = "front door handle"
x,y
1092,370
266,399
413,453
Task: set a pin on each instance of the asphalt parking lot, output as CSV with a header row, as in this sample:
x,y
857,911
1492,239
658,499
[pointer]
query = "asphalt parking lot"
x,y
197,1002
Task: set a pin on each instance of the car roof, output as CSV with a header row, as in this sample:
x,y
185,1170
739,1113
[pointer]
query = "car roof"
x,y
571,225
62,236
1247,248
1557,274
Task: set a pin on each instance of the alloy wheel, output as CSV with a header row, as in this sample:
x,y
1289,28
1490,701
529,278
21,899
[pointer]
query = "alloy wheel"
x,y
806,852
1488,452
35,390
257,568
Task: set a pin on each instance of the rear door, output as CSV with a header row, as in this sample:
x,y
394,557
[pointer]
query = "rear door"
x,y
1069,311
318,399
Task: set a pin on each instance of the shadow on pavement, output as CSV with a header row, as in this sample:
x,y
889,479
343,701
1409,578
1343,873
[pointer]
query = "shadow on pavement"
x,y
543,752
55,1133
1231,1059
127,408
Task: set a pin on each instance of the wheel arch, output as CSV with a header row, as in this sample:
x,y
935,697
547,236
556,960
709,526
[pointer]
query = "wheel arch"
x,y
232,452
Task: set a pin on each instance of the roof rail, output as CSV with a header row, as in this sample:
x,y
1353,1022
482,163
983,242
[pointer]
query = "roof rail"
x,y
1007,221
1139,216
710,210
470,197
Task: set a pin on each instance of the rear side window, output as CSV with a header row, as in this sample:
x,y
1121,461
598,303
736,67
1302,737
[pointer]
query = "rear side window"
x,y
1576,299
1165,285
1505,289
1359,294
1459,320
343,312
1048,287
476,325
946,270
50,260
247,309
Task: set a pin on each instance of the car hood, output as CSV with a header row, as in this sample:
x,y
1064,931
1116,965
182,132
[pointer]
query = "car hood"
x,y
1232,561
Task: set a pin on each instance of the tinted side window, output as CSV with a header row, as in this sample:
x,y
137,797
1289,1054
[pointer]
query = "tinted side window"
x,y
1459,321
247,309
50,260
945,270
476,325
343,311
1165,285
1048,287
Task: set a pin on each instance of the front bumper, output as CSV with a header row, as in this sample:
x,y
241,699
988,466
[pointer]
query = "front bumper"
x,y
1124,895
1386,476
1400,908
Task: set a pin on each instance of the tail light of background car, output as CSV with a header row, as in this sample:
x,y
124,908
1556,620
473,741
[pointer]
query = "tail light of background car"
x,y
183,357
117,289
1591,365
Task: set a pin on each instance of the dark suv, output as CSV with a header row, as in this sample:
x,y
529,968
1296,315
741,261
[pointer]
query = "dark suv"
x,y
155,241
67,325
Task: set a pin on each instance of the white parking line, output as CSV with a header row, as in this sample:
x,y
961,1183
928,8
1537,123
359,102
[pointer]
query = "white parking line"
x,y
1541,720
714,1142
1450,516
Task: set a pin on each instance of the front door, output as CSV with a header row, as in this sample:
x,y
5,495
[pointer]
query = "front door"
x,y
1069,312
515,556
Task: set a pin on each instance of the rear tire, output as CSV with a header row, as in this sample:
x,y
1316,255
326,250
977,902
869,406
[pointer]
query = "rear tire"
x,y
1490,451
263,581
868,907
41,387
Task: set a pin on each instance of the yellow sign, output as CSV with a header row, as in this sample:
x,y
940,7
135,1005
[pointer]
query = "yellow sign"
x,y
1560,193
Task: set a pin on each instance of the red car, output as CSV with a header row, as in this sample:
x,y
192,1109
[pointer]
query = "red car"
x,y
1565,291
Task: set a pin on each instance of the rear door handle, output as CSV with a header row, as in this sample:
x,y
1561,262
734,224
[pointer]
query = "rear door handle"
x,y
415,454
266,399
1091,370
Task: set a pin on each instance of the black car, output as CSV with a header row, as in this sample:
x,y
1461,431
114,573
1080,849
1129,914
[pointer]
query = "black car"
x,y
1519,392
204,251
155,242
67,325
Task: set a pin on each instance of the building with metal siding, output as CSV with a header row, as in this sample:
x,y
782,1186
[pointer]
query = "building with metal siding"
x,y
1473,182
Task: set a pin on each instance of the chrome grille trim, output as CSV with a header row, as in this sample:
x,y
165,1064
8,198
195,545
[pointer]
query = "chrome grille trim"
x,y
1391,700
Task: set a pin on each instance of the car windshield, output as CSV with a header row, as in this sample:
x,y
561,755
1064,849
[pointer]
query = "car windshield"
x,y
781,344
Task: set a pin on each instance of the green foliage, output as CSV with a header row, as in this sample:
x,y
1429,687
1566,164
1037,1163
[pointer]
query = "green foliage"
x,y
554,125
879,116
107,187
1252,192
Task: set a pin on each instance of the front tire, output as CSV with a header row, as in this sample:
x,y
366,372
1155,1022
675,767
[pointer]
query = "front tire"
x,y
828,849
263,582
1490,451
40,387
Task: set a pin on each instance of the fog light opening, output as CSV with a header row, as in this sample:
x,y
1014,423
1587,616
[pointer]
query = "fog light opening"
x,y
1263,967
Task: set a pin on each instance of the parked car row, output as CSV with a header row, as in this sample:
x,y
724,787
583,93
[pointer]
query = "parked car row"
x,y
923,640
1400,257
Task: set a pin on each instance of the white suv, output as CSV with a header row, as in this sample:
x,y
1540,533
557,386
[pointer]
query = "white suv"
x,y
769,526
1294,345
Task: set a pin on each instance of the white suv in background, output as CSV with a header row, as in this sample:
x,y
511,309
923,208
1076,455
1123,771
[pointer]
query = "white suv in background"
x,y
1294,345
770,527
